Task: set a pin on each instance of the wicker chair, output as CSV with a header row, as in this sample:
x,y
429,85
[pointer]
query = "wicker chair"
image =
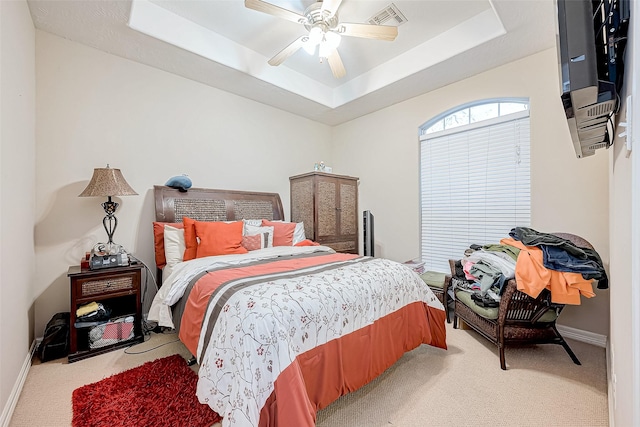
x,y
520,318
439,283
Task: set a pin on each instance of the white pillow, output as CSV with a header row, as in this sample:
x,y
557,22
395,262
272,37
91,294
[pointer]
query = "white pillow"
x,y
173,244
298,233
252,230
253,222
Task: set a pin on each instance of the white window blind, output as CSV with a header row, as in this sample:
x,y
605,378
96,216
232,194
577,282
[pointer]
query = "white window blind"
x,y
475,187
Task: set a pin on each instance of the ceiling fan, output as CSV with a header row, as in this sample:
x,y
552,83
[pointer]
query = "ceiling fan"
x,y
325,31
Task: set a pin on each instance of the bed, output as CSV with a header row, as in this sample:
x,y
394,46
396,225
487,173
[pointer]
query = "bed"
x,y
283,330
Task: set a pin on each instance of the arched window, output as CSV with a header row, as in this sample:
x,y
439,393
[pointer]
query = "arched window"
x,y
474,178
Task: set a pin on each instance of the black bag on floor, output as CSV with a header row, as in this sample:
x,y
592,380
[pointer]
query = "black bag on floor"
x,y
55,343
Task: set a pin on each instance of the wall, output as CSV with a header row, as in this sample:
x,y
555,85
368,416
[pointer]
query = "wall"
x,y
95,108
624,229
567,194
17,195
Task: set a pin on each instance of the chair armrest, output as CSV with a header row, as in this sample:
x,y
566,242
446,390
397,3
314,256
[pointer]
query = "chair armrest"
x,y
505,301
446,286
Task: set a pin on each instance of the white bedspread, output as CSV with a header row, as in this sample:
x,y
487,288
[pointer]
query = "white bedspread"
x,y
263,327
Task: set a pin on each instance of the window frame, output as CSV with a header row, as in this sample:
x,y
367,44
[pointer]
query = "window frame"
x,y
423,135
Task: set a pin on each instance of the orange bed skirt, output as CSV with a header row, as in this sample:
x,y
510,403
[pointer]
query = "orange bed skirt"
x,y
321,375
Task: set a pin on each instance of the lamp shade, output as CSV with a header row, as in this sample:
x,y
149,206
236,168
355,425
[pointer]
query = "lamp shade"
x,y
107,182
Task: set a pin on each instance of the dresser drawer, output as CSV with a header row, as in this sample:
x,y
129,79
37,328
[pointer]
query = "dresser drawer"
x,y
105,285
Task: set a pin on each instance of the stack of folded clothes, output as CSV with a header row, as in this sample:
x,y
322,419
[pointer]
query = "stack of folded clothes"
x,y
483,272
92,314
537,261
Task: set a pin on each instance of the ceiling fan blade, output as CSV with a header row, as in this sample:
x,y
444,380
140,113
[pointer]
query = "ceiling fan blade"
x,y
272,9
335,62
281,56
378,32
330,5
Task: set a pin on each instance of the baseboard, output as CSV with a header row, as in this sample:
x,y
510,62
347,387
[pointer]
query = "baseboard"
x,y
611,390
10,406
583,336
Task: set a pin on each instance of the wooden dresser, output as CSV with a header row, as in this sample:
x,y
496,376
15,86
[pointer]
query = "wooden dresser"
x,y
328,206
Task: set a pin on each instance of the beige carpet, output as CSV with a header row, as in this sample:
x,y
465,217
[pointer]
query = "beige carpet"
x,y
461,386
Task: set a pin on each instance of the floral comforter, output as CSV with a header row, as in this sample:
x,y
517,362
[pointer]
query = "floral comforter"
x,y
257,315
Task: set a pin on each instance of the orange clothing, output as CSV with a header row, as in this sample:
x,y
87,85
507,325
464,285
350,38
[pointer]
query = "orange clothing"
x,y
532,277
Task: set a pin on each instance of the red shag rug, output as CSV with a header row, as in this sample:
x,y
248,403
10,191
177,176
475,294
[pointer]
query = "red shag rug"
x,y
161,393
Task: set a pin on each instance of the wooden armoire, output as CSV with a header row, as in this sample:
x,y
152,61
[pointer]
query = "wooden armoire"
x,y
328,206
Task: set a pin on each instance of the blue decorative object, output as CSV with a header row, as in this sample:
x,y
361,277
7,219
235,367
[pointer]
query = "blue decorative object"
x,y
182,182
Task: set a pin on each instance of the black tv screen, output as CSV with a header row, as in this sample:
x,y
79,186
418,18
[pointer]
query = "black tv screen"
x,y
591,39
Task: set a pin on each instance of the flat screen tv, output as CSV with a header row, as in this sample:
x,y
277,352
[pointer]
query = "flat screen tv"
x,y
367,231
591,39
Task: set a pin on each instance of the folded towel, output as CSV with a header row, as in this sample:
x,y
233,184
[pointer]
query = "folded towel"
x,y
87,308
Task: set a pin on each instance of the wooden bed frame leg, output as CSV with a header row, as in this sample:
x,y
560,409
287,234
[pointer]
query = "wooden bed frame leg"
x,y
192,361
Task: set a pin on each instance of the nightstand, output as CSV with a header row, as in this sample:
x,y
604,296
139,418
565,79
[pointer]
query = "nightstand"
x,y
118,288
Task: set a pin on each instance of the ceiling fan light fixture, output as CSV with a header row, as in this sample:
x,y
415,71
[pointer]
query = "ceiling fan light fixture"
x,y
309,47
329,44
325,31
332,39
316,35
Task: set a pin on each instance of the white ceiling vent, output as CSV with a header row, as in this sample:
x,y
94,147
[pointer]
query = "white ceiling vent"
x,y
390,15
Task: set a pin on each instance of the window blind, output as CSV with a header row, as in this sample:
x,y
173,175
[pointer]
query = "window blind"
x,y
475,187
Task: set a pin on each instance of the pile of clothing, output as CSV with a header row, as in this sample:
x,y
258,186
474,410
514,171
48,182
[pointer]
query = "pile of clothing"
x,y
91,314
537,261
484,270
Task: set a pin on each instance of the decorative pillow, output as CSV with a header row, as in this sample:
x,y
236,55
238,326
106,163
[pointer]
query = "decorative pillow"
x,y
182,183
282,232
173,244
190,241
253,222
158,241
256,241
250,230
219,238
298,233
307,242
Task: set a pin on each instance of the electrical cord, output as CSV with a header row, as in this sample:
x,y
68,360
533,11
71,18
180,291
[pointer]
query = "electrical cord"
x,y
146,326
609,142
126,350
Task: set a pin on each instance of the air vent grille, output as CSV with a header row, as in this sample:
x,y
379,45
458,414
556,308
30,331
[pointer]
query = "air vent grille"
x,y
390,15
601,109
596,146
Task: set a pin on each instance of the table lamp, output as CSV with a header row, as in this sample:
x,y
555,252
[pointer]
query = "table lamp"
x,y
108,182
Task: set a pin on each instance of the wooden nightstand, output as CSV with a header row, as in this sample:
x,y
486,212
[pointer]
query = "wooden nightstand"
x,y
115,287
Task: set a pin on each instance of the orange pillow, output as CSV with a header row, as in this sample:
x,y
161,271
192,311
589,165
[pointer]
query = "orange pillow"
x,y
158,241
219,238
190,241
307,242
282,232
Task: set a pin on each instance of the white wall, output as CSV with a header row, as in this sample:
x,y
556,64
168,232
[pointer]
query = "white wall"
x,y
567,194
624,207
94,108
17,194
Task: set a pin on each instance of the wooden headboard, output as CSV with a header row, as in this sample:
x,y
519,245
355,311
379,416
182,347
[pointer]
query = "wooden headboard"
x,y
204,204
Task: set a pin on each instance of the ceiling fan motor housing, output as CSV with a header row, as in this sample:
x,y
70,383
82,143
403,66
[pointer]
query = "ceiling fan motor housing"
x,y
316,17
